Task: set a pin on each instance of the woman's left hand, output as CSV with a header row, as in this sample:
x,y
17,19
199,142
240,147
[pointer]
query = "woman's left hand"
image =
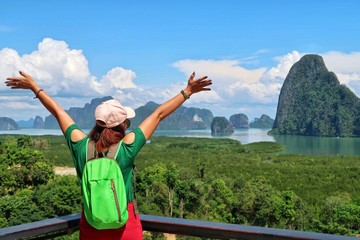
x,y
197,85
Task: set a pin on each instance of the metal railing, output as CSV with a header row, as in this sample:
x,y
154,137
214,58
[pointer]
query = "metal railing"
x,y
50,228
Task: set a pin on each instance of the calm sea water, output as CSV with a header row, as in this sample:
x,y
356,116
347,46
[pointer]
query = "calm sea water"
x,y
294,144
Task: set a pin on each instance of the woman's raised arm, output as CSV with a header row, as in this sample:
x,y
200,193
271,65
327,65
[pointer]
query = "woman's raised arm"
x,y
27,82
149,125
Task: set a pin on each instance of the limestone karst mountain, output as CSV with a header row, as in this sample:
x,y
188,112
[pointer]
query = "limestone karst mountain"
x,y
263,122
8,124
312,102
239,120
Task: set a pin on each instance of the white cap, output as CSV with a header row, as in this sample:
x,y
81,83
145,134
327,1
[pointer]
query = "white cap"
x,y
111,113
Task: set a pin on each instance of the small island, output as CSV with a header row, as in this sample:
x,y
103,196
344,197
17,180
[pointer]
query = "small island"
x,y
220,125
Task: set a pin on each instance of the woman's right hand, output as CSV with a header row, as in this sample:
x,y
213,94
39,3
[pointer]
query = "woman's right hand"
x,y
62,117
24,82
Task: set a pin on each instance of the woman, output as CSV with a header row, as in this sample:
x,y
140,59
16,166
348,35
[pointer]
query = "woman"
x,y
112,120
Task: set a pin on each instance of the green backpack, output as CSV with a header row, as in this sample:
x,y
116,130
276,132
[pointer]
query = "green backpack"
x,y
103,189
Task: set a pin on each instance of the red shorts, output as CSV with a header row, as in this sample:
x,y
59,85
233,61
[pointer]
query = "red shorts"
x,y
131,231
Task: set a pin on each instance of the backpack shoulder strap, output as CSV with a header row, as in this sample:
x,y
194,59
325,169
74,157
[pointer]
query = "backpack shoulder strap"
x,y
112,153
91,152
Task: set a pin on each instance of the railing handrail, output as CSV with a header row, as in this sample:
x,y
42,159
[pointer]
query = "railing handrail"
x,y
59,226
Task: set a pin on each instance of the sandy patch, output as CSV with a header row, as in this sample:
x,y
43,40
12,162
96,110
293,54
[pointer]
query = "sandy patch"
x,y
169,236
65,171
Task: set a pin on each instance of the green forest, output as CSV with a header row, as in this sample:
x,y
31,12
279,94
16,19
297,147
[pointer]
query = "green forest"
x,y
218,180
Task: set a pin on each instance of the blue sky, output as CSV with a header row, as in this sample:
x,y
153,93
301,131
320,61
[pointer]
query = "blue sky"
x,y
144,51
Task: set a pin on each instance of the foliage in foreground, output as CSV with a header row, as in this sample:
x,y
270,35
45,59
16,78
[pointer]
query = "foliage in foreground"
x,y
207,179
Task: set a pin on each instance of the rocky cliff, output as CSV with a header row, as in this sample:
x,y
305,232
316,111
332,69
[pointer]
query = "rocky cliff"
x,y
239,120
220,125
263,122
38,123
312,102
183,118
26,123
8,124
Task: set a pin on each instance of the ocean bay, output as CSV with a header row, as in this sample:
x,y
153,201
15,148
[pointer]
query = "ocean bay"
x,y
330,146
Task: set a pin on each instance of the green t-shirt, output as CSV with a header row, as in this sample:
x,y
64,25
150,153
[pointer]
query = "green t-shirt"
x,y
125,158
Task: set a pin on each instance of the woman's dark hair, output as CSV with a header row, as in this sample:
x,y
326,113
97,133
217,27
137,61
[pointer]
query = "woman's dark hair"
x,y
105,137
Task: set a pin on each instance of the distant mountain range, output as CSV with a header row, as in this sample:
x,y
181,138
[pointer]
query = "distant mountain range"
x,y
26,123
183,118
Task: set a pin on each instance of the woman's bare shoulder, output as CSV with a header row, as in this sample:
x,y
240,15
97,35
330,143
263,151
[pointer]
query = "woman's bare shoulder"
x,y
77,135
129,138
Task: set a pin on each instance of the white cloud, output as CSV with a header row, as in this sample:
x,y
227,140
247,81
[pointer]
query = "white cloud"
x,y
17,107
63,71
280,71
117,78
234,87
262,51
348,78
342,62
225,70
346,66
229,78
